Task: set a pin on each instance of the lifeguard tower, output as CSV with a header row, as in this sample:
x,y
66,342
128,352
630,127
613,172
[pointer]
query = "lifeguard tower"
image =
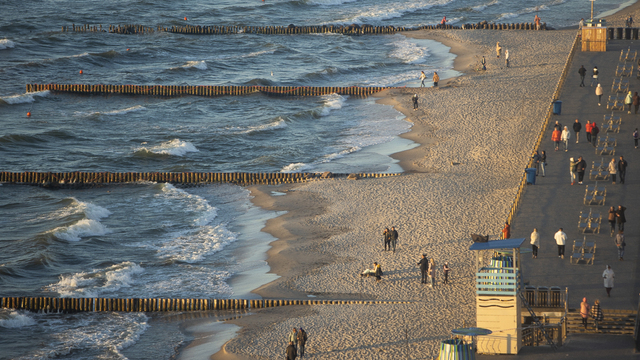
x,y
498,302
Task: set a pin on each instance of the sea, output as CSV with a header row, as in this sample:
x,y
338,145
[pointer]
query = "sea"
x,y
160,240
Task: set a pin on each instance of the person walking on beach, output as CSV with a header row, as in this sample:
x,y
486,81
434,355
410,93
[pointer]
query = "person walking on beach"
x,y
584,311
594,77
484,63
577,126
612,219
556,137
506,57
583,72
573,165
580,168
535,243
636,102
498,49
622,169
628,22
596,314
565,136
608,276
432,272
445,270
536,20
423,76
628,101
635,137
302,341
386,235
587,129
599,92
561,239
506,231
620,217
436,78
293,339
594,133
393,237
424,265
291,352
612,170
415,102
620,244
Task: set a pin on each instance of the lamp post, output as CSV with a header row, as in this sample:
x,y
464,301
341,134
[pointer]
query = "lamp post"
x,y
592,1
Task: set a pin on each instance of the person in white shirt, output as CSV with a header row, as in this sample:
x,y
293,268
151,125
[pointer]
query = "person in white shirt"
x,y
535,242
561,239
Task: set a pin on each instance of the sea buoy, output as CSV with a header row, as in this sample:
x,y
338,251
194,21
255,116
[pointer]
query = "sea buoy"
x,y
185,18
80,71
127,49
29,114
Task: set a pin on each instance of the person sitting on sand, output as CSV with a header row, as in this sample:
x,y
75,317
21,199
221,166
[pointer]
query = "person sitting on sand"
x,y
376,271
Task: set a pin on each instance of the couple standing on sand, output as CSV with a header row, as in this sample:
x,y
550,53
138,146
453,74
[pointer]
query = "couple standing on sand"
x,y
423,76
297,341
390,238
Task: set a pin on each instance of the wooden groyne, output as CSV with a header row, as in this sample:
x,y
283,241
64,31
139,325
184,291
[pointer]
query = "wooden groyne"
x,y
353,29
205,90
79,179
74,305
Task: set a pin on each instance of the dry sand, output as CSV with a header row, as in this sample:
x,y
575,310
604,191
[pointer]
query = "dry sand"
x,y
486,123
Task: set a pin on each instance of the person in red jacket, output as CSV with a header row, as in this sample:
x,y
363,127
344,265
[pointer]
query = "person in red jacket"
x,y
587,129
506,231
556,137
594,133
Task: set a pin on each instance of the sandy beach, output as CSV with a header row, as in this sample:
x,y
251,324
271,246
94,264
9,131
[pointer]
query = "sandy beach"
x,y
476,133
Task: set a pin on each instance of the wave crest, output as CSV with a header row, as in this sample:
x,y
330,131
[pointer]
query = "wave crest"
x,y
97,281
23,98
175,147
6,44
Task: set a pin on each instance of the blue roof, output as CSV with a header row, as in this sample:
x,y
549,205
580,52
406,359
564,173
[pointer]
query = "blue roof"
x,y
498,244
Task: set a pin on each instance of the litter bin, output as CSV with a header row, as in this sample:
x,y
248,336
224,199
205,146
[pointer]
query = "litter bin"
x,y
557,107
531,175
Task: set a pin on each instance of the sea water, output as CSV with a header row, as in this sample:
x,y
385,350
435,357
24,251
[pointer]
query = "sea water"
x,y
161,240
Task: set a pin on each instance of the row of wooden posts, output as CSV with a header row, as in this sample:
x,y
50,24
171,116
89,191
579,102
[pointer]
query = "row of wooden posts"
x,y
69,305
77,177
353,29
205,90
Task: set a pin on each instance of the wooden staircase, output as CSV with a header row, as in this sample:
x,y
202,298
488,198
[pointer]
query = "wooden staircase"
x,y
617,322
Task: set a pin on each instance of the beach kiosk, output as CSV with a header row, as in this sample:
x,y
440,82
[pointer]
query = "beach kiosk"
x,y
594,35
498,306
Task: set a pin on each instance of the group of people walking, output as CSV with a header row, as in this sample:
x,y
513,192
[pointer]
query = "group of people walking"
x,y
435,79
390,238
297,342
428,271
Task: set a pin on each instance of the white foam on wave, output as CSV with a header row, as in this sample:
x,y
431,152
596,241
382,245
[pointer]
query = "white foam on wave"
x,y
89,210
82,228
14,320
293,167
6,44
103,333
188,280
328,2
112,112
199,237
484,6
332,102
97,281
388,11
279,123
529,10
251,54
175,147
407,51
200,65
23,98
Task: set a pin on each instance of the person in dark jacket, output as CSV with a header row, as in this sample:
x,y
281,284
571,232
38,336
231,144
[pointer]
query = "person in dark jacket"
x,y
543,162
594,78
536,161
580,168
292,354
414,98
577,126
302,341
622,169
594,133
620,218
582,71
596,314
424,265
635,100
386,237
393,235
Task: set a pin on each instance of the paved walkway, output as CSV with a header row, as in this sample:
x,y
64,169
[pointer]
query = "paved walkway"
x,y
553,202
